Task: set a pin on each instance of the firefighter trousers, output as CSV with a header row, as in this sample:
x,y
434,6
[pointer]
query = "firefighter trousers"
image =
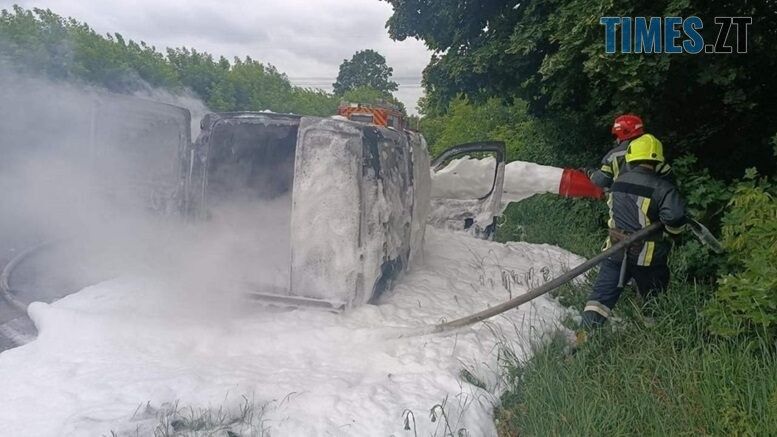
x,y
650,281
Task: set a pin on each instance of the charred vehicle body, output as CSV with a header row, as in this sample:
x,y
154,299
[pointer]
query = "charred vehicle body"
x,y
349,200
355,198
346,199
337,208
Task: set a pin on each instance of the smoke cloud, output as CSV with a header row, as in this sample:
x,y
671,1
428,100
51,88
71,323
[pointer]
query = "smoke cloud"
x,y
102,174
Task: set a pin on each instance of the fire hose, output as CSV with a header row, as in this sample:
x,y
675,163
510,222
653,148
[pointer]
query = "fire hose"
x,y
544,288
6,291
699,230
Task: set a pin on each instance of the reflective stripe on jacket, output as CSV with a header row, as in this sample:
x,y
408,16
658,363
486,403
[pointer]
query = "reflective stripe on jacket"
x,y
639,197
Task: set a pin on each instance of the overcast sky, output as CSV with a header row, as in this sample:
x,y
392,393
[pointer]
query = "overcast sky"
x,y
306,39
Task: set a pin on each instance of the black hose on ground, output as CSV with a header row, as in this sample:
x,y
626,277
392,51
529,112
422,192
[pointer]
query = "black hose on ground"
x,y
5,276
7,292
546,287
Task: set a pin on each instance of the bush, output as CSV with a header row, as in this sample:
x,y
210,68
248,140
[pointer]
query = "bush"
x,y
576,225
43,43
705,198
563,141
673,377
465,122
637,379
746,299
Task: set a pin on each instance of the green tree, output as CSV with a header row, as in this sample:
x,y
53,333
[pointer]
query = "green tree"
x,y
366,68
551,55
199,71
310,101
40,41
527,138
369,95
43,43
34,41
250,85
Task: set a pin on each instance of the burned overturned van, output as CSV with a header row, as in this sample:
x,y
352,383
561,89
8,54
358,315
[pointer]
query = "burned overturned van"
x,y
349,201
297,211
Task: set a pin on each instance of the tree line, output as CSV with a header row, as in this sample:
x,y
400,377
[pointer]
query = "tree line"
x,y
40,42
550,57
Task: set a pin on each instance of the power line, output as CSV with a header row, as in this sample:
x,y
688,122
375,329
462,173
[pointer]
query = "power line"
x,y
321,84
324,78
328,83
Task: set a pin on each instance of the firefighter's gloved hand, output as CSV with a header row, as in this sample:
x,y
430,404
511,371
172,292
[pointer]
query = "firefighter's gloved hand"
x,y
587,171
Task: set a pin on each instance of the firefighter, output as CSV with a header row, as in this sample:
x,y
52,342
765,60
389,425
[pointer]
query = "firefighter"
x,y
625,128
638,197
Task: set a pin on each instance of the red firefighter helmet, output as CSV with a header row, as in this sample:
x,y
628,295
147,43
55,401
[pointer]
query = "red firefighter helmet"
x,y
627,126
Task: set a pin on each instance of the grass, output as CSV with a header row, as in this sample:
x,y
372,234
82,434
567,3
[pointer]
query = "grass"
x,y
670,377
574,224
174,420
440,415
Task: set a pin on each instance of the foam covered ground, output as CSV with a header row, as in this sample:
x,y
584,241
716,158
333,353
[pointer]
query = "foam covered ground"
x,y
110,348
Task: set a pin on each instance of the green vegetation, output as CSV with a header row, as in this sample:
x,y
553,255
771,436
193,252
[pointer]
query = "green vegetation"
x,y
527,138
534,74
366,68
670,378
705,366
576,225
43,43
550,55
745,301
366,78
367,95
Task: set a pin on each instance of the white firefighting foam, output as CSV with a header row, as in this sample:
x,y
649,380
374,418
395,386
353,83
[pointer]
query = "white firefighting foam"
x,y
471,178
110,348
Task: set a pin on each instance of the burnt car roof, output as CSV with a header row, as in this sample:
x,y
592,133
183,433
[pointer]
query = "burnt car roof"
x,y
212,118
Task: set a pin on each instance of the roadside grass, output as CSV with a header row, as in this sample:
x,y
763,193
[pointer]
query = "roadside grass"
x,y
664,375
175,420
574,224
667,378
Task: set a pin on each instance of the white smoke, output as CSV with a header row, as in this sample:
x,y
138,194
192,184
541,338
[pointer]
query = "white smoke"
x,y
101,172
